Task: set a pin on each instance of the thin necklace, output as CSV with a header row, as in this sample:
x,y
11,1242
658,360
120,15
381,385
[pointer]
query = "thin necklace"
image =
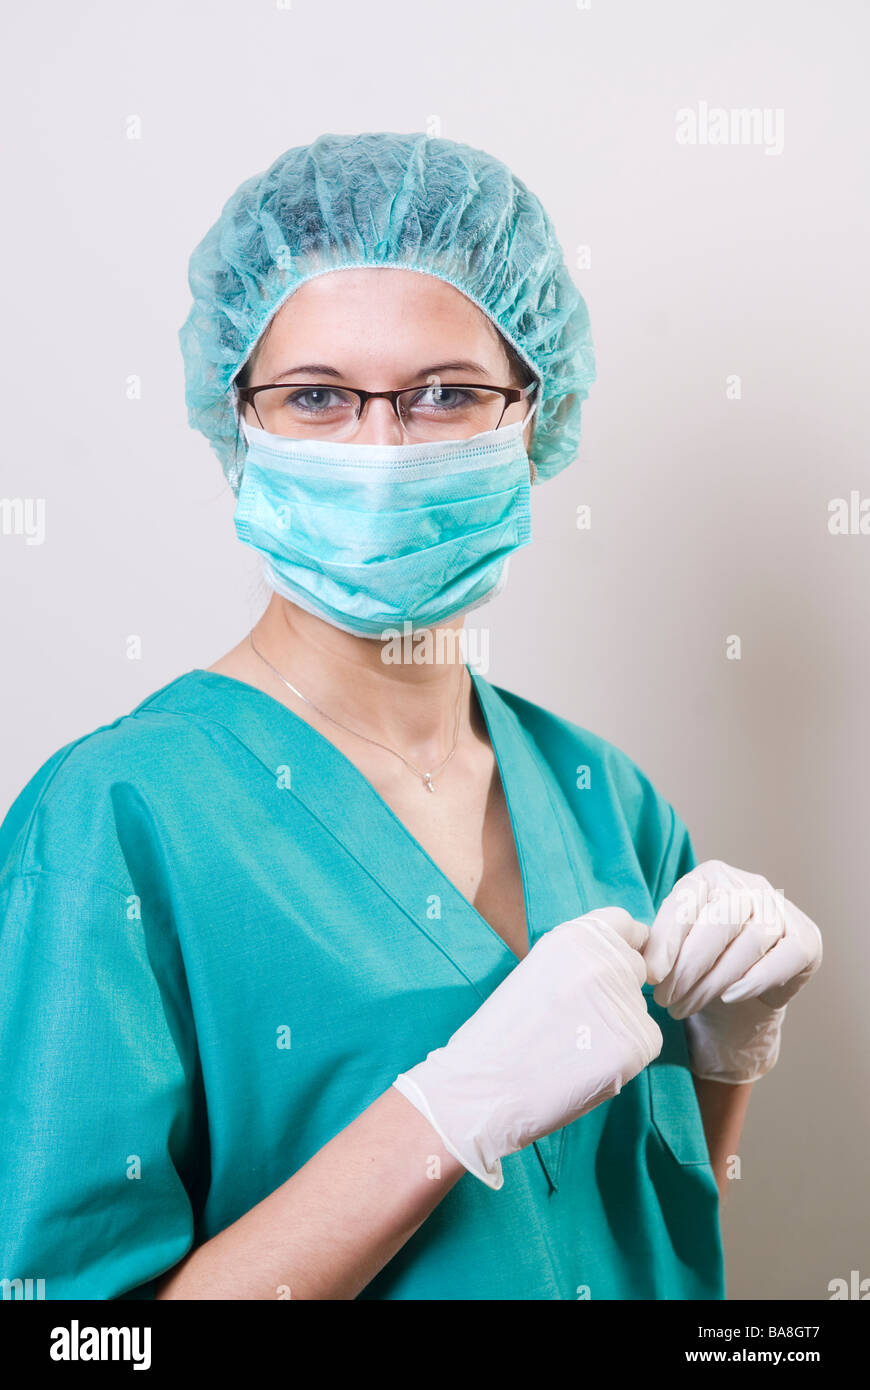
x,y
425,777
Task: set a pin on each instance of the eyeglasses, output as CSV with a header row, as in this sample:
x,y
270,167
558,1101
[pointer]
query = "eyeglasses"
x,y
442,411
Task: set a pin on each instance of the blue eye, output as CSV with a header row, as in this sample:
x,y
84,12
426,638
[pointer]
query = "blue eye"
x,y
443,398
318,400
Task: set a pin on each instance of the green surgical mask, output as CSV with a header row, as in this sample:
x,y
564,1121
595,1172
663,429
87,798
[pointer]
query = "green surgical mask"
x,y
371,536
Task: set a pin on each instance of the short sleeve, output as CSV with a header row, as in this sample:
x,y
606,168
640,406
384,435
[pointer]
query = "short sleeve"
x,y
97,1100
678,859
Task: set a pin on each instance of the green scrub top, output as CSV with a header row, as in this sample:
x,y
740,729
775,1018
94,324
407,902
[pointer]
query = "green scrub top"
x,y
219,945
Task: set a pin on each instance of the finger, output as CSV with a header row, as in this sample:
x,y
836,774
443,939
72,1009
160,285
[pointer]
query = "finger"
x,y
655,1039
672,924
720,920
753,943
633,932
620,934
778,975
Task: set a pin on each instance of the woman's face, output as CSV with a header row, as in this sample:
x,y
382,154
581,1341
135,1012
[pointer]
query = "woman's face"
x,y
381,329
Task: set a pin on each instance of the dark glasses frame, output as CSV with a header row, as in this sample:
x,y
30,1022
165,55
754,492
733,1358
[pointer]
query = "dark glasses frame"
x,y
511,394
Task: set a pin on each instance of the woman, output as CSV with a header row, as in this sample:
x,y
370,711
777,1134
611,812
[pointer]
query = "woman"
x,y
329,969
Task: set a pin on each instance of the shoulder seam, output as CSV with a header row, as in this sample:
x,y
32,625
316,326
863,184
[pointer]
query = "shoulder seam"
x,y
27,828
68,878
155,694
68,750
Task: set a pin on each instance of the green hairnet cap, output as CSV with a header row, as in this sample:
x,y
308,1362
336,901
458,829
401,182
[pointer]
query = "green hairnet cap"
x,y
382,199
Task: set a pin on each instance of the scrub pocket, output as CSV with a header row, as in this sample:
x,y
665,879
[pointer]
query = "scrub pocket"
x,y
673,1103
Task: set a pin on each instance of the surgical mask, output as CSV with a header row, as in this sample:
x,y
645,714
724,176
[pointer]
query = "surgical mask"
x,y
372,537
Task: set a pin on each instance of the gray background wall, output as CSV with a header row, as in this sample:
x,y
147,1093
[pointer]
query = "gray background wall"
x,y
709,515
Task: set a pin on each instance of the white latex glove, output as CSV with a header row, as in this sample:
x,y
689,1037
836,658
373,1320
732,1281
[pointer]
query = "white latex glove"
x,y
727,952
524,1063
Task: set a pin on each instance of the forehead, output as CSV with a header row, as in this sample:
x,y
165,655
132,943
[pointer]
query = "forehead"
x,y
384,304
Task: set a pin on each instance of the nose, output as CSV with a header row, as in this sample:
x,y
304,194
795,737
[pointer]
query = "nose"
x,y
378,424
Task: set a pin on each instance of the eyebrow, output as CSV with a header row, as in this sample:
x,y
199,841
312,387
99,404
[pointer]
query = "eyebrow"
x,y
323,369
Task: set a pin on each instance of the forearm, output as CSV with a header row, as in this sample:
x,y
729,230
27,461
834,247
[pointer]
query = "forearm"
x,y
328,1230
723,1111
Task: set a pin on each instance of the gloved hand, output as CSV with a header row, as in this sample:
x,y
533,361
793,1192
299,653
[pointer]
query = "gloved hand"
x,y
726,952
523,1064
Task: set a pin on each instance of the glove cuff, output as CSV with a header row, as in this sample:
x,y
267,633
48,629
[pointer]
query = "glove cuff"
x,y
470,1152
734,1043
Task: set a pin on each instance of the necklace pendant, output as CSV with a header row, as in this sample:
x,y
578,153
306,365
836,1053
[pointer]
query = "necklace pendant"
x,y
427,782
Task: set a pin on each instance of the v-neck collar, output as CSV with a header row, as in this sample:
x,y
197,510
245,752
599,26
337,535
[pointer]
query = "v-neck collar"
x,y
548,841
345,802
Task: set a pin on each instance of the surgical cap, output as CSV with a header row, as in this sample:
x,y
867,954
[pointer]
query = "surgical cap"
x,y
380,199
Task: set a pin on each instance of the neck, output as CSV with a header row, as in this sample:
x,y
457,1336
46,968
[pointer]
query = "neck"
x,y
367,684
